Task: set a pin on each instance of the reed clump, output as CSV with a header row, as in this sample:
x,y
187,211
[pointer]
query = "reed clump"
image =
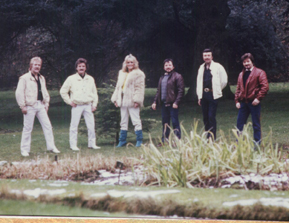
x,y
194,160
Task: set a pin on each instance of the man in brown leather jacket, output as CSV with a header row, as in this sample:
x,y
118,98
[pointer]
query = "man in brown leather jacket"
x,y
169,94
252,87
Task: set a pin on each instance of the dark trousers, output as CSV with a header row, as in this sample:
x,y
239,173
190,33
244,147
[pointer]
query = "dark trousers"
x,y
209,108
168,113
244,112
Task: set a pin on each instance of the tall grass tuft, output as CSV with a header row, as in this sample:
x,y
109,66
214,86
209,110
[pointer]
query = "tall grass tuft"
x,y
196,160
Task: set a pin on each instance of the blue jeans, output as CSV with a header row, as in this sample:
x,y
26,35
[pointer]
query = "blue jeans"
x,y
209,109
168,112
245,110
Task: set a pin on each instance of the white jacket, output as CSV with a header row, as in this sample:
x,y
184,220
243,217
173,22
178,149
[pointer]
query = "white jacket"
x,y
219,79
27,90
79,90
133,90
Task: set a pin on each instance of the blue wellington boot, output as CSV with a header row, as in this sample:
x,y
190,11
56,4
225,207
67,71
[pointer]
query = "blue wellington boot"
x,y
122,138
139,138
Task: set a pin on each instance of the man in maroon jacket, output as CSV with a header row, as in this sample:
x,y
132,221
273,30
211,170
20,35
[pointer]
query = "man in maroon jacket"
x,y
252,87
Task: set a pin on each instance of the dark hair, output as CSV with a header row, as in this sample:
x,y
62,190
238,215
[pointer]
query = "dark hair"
x,y
169,60
81,60
246,56
208,50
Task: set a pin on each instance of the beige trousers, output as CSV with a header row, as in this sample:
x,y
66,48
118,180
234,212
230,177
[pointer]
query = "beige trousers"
x,y
38,110
133,113
76,113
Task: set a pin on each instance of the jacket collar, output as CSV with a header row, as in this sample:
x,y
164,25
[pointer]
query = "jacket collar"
x,y
32,78
80,78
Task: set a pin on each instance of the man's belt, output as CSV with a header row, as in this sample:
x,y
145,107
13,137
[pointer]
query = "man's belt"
x,y
207,89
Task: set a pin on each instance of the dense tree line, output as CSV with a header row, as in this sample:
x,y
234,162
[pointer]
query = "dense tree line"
x,y
104,31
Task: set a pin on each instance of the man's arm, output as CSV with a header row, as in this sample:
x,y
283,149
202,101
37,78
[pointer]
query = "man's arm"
x,y
264,86
20,93
95,96
180,89
64,90
223,77
154,105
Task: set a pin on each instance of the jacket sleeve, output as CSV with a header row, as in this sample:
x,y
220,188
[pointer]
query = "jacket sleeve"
x,y
264,86
158,92
180,89
238,89
139,88
223,77
95,95
199,88
20,93
47,98
64,90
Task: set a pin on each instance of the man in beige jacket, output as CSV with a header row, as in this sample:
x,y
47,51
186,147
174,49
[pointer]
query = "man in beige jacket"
x,y
33,100
79,91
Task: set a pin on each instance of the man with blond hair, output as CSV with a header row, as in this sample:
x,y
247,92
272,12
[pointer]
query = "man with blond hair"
x,y
33,100
79,91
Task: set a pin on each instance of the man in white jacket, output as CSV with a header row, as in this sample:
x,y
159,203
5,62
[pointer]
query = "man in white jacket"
x,y
33,100
211,80
79,91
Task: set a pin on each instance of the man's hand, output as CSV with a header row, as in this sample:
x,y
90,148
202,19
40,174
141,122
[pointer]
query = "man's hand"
x,y
238,105
24,110
154,106
73,105
46,108
255,102
116,105
136,105
175,106
93,108
199,102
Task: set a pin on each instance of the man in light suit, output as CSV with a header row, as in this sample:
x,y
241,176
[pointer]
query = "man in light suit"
x,y
211,80
33,100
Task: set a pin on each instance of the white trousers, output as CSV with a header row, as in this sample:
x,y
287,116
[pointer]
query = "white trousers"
x,y
125,112
38,110
76,113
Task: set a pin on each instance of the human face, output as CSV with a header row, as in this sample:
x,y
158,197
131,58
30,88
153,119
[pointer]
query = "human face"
x,y
130,65
168,67
208,57
81,68
36,67
247,63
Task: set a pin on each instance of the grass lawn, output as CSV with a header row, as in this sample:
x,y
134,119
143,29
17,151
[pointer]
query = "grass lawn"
x,y
118,201
274,115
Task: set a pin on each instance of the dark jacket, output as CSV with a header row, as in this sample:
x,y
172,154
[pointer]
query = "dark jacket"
x,y
256,86
175,89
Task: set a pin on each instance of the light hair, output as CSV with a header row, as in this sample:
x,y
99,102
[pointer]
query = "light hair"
x,y
135,62
34,59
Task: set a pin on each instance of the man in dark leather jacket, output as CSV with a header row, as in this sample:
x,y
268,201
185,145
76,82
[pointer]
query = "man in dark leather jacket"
x,y
170,91
252,87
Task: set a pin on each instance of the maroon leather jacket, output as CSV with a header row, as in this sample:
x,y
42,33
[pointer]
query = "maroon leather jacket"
x,y
175,89
256,86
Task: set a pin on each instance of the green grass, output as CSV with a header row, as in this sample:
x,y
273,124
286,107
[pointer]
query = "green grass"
x,y
194,202
274,114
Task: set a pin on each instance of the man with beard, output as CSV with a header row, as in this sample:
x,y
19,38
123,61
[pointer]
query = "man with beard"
x,y
169,94
211,80
33,100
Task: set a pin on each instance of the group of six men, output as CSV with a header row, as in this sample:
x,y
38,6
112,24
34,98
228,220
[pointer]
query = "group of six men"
x,y
80,92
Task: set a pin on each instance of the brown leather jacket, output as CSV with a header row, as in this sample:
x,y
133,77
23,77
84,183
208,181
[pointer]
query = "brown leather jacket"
x,y
175,89
256,86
